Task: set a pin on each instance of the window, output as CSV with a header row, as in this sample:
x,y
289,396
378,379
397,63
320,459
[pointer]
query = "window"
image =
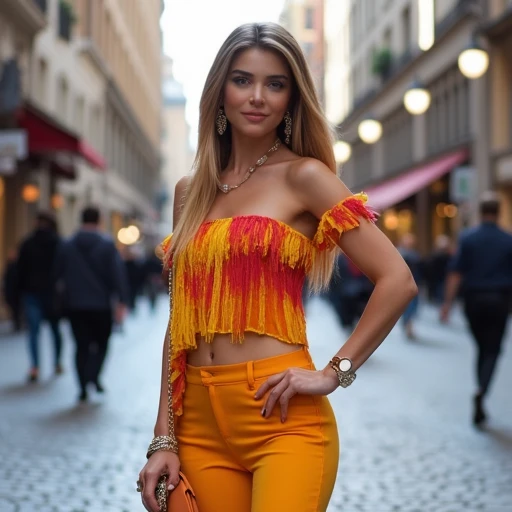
x,y
62,99
79,115
371,12
406,29
352,27
66,20
388,39
42,4
448,116
42,74
309,18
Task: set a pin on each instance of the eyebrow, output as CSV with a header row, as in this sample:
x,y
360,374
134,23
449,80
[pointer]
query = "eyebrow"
x,y
250,75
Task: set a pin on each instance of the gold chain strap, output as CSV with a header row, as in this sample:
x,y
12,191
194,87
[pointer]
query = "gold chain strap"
x,y
169,359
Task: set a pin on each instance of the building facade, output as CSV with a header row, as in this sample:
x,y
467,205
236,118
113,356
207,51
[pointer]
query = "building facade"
x,y
68,88
498,31
177,156
20,22
304,19
80,113
122,39
337,60
425,171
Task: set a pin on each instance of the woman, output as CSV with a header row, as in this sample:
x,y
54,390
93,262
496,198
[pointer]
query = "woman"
x,y
264,208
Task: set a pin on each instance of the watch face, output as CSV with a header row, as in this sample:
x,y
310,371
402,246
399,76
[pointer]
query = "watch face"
x,y
345,365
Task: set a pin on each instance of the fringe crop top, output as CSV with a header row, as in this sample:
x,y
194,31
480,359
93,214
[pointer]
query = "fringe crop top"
x,y
246,273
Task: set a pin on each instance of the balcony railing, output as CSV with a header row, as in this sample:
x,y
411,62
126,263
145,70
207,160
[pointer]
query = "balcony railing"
x,y
42,4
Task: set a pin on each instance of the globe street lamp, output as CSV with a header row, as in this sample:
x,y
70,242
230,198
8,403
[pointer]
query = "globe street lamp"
x,y
369,130
417,99
342,151
473,61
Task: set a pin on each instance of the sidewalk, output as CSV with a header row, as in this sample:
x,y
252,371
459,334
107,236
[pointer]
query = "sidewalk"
x,y
406,438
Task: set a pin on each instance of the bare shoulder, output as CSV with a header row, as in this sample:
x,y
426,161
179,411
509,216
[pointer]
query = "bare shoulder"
x,y
303,172
182,185
180,193
316,186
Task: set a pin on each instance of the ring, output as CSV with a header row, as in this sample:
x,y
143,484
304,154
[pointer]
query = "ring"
x,y
139,486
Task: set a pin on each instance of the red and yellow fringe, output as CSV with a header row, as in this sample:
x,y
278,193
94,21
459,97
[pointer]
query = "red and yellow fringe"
x,y
244,274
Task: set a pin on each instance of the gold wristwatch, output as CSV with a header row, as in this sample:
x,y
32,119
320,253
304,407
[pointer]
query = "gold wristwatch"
x,y
343,368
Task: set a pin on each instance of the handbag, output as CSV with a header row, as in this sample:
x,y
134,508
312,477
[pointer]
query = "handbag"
x,y
182,498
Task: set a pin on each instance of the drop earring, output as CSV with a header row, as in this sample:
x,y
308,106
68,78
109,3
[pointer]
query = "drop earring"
x,y
221,122
287,127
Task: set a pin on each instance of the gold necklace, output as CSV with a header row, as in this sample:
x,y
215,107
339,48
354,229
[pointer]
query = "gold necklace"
x,y
248,174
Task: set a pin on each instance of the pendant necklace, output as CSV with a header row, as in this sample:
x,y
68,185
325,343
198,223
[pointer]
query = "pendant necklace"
x,y
248,174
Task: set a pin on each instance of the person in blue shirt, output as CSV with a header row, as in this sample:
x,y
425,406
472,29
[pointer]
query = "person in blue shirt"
x,y
483,267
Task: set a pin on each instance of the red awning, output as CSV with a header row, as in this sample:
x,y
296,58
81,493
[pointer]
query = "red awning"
x,y
397,189
46,135
91,155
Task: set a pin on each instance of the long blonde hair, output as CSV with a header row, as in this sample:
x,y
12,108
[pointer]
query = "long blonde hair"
x,y
311,135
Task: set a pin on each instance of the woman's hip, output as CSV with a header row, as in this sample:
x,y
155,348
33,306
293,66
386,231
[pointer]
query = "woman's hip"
x,y
219,401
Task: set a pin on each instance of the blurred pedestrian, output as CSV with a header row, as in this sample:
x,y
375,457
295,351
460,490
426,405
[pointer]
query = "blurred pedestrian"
x,y
94,279
482,266
349,292
134,274
36,287
263,209
437,268
11,290
407,249
153,278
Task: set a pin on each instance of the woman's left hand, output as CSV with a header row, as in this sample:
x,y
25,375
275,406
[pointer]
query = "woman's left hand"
x,y
292,382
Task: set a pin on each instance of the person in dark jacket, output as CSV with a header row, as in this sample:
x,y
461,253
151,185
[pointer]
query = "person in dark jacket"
x,y
483,266
11,290
35,263
437,268
94,279
349,292
153,278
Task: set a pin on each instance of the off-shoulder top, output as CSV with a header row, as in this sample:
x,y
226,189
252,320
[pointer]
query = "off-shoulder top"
x,y
246,273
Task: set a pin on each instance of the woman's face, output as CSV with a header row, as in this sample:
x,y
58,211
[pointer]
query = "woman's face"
x,y
257,92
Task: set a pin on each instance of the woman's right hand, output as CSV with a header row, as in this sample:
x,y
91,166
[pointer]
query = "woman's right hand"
x,y
160,463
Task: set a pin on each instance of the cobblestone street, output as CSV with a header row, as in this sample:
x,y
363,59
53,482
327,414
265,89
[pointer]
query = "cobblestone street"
x,y
407,441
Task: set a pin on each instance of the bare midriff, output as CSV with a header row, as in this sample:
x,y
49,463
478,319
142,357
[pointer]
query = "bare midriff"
x,y
223,351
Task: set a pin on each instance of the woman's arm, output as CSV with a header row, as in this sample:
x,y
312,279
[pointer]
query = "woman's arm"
x,y
318,190
371,251
161,426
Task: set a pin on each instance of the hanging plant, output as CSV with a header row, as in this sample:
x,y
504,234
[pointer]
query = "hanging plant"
x,y
382,62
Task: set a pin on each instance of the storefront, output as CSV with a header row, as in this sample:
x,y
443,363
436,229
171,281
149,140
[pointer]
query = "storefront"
x,y
429,200
37,153
499,34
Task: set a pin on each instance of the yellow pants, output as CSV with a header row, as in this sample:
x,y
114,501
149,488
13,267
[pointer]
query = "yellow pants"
x,y
238,461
